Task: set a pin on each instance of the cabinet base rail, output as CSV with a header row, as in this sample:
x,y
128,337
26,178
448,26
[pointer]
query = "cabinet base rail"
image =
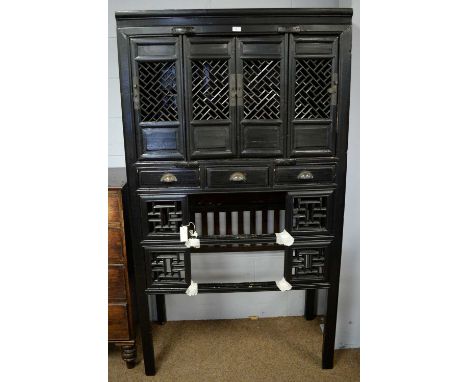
x,y
234,287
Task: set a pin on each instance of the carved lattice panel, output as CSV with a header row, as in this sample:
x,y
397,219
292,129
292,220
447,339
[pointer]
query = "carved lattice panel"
x,y
167,267
312,99
210,89
310,213
262,89
308,264
157,91
164,216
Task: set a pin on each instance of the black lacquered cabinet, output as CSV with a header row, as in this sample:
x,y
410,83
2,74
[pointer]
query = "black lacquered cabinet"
x,y
241,115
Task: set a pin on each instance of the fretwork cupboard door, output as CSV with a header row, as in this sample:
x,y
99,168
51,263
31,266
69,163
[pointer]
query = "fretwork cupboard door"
x,y
313,82
232,94
158,97
210,75
236,96
261,101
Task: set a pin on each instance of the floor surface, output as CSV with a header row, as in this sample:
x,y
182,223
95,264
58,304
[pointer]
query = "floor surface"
x,y
283,349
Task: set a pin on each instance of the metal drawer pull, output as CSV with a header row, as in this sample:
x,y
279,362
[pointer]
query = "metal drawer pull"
x,y
237,177
305,175
168,178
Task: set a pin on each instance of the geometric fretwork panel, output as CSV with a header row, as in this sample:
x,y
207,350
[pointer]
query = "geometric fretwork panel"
x,y
158,91
313,80
167,267
308,264
210,89
262,83
310,213
164,216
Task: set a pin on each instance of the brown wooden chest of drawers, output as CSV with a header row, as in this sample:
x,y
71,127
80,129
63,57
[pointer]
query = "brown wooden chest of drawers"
x,y
120,327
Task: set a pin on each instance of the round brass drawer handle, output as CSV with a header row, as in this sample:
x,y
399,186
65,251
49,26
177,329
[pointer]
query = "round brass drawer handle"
x,y
168,178
237,177
305,175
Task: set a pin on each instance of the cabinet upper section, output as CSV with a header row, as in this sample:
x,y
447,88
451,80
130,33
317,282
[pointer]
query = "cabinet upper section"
x,y
232,83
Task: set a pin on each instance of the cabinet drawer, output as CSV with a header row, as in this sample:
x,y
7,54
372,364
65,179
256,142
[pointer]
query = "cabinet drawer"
x,y
118,322
113,205
165,178
115,245
116,283
305,175
236,177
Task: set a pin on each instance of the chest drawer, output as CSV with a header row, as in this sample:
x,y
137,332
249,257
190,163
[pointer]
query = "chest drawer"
x,y
304,175
166,178
118,328
116,283
113,207
115,245
237,177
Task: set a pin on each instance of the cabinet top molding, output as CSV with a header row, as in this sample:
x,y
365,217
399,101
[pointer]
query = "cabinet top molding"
x,y
329,12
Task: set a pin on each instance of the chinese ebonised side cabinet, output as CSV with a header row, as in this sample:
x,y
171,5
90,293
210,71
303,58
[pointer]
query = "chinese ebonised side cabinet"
x,y
241,115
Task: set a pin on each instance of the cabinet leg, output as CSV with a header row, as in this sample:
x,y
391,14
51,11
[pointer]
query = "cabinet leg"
x,y
310,310
161,308
328,350
129,355
146,332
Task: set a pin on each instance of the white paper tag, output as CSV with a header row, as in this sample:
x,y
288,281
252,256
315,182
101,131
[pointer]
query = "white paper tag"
x,y
192,290
195,243
284,238
283,285
183,233
237,29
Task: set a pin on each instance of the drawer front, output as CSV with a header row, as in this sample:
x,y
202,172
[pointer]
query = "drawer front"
x,y
115,245
113,205
118,325
166,178
236,177
304,175
116,283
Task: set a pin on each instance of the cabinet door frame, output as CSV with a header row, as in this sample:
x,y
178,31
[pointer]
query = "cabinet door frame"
x,y
193,127
306,130
263,48
173,130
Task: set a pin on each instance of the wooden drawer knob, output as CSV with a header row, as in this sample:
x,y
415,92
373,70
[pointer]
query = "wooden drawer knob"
x,y
305,175
237,177
168,178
